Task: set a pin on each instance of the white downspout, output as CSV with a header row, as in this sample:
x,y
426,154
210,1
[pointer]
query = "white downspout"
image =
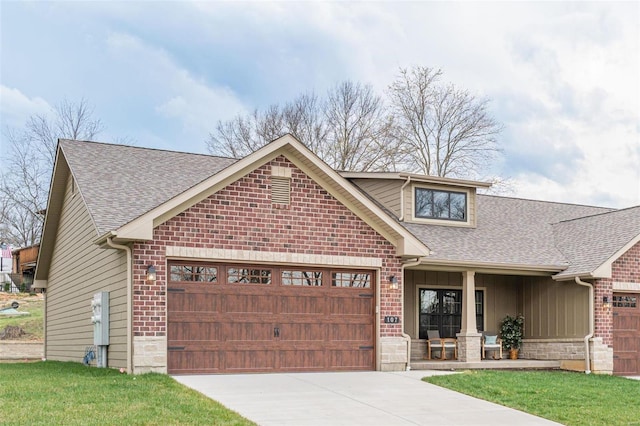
x,y
127,249
404,185
416,262
587,362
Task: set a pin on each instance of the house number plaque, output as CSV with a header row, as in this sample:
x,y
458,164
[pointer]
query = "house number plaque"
x,y
391,320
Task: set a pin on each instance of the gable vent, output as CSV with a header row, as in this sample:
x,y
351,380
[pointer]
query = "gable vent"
x,y
280,185
280,190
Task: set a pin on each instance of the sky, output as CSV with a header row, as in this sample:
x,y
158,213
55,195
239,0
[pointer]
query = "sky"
x,y
563,78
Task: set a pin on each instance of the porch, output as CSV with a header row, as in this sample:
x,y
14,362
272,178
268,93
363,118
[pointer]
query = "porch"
x,y
501,364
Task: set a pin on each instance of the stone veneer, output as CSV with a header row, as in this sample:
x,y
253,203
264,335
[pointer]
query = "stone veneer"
x,y
469,347
241,217
552,349
149,354
601,356
393,354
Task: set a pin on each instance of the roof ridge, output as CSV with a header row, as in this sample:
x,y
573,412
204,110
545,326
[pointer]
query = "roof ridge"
x,y
611,209
600,214
147,148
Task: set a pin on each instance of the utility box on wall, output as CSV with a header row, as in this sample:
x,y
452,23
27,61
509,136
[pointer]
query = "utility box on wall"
x,y
100,318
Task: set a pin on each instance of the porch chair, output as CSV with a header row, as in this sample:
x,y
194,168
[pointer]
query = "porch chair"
x,y
434,341
491,342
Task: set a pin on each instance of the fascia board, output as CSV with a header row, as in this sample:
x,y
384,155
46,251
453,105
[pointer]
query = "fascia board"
x,y
489,267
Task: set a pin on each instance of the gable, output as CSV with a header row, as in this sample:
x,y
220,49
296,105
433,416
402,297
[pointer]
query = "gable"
x,y
287,146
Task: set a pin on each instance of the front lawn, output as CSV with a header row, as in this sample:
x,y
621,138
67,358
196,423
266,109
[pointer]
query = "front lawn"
x,y
59,393
32,324
565,397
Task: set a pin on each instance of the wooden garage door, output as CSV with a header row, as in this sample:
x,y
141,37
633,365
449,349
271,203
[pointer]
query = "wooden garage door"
x,y
626,334
225,318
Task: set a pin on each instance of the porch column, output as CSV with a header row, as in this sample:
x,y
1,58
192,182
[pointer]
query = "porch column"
x,y
469,338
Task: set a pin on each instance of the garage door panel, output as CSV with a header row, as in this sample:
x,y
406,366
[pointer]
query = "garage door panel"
x,y
312,331
303,304
351,332
216,327
193,331
294,359
248,331
626,334
350,305
249,303
357,359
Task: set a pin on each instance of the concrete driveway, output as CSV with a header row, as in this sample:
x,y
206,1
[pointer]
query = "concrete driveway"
x,y
351,398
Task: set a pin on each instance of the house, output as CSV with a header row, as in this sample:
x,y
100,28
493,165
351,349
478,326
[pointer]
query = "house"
x,y
276,262
24,266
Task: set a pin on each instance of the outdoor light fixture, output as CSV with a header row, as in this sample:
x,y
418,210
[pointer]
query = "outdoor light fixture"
x,y
605,302
393,281
151,273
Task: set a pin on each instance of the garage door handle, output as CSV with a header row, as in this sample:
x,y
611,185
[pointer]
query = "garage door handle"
x,y
276,331
176,348
365,347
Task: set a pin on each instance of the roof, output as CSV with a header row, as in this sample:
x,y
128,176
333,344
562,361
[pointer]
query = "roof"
x,y
120,183
515,233
592,243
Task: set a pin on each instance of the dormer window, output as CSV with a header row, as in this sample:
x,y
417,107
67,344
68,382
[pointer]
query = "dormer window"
x,y
438,204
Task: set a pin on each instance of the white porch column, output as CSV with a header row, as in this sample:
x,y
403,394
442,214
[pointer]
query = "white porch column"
x,y
469,338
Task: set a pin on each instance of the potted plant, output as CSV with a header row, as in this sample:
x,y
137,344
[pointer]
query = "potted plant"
x,y
511,334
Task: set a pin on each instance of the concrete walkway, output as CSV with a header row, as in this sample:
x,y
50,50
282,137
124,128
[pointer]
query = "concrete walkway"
x,y
351,398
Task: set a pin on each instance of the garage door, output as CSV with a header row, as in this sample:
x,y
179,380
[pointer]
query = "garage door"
x,y
225,318
626,334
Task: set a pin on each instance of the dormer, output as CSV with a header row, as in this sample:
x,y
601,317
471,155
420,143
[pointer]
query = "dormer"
x,y
422,199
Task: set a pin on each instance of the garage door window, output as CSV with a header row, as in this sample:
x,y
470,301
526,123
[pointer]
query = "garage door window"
x,y
302,278
625,301
194,273
351,279
248,276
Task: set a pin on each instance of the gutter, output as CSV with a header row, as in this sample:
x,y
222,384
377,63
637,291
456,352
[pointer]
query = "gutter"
x,y
127,249
404,185
416,262
587,363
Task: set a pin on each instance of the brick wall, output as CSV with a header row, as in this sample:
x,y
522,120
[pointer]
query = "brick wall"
x,y
625,269
242,217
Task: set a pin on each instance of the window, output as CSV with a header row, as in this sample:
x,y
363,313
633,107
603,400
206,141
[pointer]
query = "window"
x,y
302,278
194,273
625,301
351,279
248,276
441,310
436,204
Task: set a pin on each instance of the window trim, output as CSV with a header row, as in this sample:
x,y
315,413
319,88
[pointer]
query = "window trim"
x,y
443,287
441,220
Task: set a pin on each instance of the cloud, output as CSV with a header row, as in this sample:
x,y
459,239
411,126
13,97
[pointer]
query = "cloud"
x,y
174,90
16,107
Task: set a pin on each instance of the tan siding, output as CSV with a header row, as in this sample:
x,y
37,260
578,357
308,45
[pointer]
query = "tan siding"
x,y
501,297
386,192
471,200
554,309
79,269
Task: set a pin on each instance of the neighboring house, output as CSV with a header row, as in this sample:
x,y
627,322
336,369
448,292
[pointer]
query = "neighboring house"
x,y
276,262
24,266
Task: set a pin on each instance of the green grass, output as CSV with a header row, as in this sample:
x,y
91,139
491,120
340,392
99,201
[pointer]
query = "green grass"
x,y
59,393
32,324
565,397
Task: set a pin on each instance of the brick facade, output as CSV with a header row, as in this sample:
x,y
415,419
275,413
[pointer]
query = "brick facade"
x,y
242,217
626,269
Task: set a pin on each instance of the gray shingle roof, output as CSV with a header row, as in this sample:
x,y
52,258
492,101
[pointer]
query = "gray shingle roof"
x,y
119,183
589,242
509,231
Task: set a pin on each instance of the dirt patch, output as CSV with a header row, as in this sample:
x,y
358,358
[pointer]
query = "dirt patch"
x,y
12,332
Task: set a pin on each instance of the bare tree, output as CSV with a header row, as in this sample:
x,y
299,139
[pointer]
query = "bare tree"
x,y
24,183
446,131
349,129
359,137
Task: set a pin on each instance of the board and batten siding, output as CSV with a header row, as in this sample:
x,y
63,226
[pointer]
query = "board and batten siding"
x,y
554,310
79,269
500,295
